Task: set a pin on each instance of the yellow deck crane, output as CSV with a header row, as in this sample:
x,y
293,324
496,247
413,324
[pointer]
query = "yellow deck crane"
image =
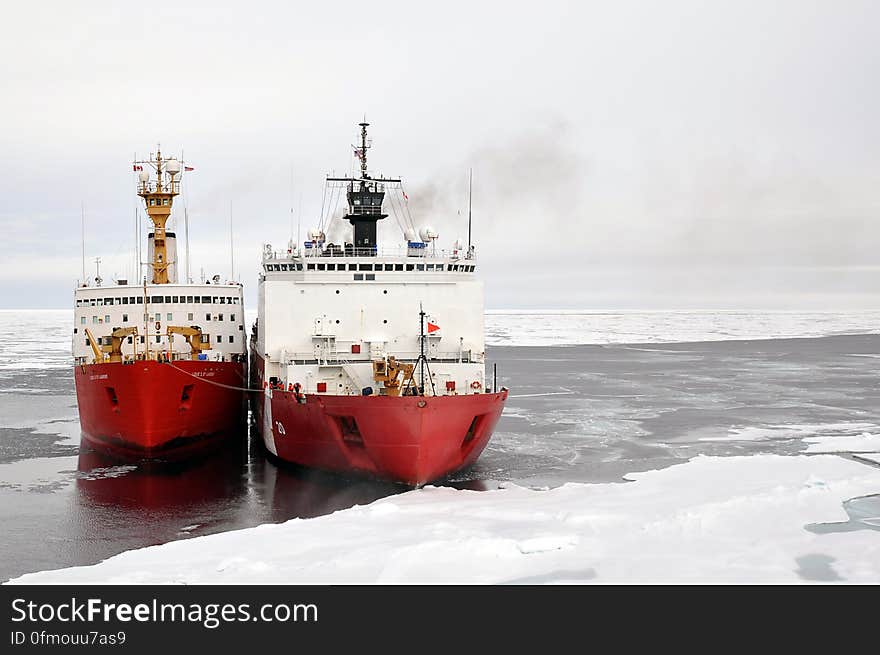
x,y
109,348
96,348
388,373
194,337
114,348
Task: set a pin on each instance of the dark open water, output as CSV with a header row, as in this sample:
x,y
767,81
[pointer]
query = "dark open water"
x,y
615,409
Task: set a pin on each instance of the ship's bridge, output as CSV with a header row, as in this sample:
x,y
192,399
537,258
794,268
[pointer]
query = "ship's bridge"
x,y
415,258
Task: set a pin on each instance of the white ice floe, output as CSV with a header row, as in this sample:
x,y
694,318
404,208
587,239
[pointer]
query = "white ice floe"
x,y
557,327
858,443
791,431
708,520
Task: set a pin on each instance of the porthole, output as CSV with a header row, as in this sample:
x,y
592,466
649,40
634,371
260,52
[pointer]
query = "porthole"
x,y
385,321
383,291
337,291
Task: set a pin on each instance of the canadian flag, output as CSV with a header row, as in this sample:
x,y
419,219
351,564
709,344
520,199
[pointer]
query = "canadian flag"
x,y
188,168
135,167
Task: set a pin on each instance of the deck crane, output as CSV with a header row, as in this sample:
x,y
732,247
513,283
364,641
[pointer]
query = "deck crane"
x,y
194,337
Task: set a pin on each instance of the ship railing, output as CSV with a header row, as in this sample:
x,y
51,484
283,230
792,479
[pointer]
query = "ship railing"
x,y
321,250
345,358
165,356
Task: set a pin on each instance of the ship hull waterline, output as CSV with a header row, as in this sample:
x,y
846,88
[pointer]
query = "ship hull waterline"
x,y
407,439
155,410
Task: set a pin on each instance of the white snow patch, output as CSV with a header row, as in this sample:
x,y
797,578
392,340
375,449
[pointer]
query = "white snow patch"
x,y
709,520
862,443
788,431
549,327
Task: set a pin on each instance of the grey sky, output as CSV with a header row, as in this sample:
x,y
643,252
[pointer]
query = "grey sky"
x,y
626,155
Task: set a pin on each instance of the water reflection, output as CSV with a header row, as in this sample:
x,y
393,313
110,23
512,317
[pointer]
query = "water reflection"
x,y
165,487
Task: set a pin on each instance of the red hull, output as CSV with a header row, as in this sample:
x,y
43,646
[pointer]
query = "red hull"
x,y
406,439
149,409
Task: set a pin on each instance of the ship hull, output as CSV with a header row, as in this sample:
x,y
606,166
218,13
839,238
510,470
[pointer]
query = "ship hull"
x,y
156,410
407,439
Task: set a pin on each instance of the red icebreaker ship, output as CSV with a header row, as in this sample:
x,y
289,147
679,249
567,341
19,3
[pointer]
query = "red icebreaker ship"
x,y
159,366
368,360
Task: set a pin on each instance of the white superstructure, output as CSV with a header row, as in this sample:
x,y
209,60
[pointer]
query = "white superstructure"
x,y
218,309
324,319
141,314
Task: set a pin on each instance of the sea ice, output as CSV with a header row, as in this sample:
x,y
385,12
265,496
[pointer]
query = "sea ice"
x,y
862,443
708,520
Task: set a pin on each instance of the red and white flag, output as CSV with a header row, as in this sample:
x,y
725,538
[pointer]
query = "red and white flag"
x,y
135,167
188,168
432,327
405,197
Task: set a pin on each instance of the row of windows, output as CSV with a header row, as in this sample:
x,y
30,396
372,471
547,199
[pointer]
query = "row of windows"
x,y
139,300
147,317
462,268
206,338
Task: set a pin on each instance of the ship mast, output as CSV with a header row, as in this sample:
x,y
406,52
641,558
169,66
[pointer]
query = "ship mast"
x,y
365,196
158,200
363,150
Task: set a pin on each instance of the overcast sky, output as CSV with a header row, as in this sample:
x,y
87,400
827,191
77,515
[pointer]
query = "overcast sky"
x,y
626,154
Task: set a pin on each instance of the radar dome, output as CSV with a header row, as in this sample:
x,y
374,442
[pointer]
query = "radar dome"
x,y
144,177
172,167
428,233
